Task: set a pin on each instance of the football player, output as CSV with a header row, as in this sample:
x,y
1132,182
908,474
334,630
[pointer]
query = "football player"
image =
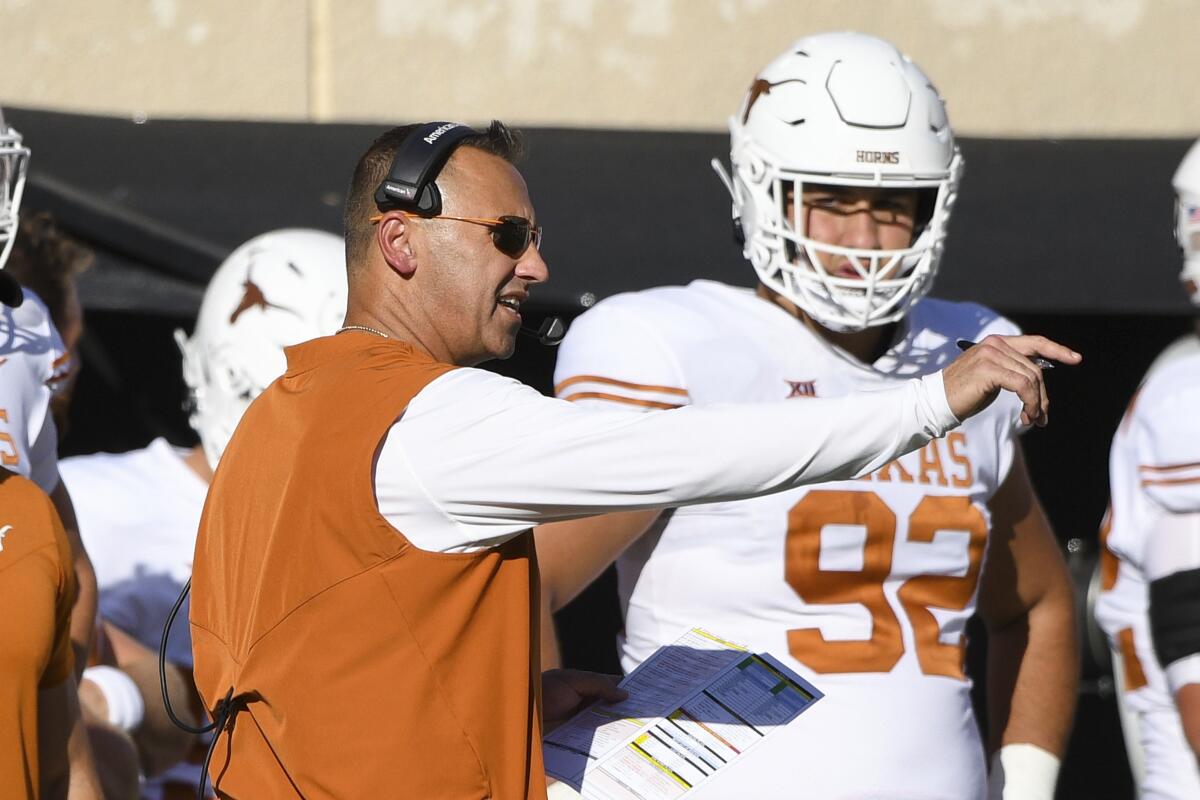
x,y
140,510
844,175
43,744
1150,564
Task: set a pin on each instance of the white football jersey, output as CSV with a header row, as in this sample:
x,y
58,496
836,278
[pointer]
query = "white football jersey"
x,y
33,363
138,515
864,587
1154,475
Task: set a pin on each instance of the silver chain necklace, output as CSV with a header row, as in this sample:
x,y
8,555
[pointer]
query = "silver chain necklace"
x,y
362,328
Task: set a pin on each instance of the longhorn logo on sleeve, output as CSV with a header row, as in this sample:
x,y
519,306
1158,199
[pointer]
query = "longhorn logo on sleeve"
x,y
4,532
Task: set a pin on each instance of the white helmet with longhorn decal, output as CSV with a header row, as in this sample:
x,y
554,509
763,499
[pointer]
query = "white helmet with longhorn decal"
x,y
276,290
842,109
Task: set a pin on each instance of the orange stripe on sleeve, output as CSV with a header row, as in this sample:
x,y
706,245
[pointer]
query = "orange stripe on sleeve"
x,y
616,398
622,384
1168,481
1168,467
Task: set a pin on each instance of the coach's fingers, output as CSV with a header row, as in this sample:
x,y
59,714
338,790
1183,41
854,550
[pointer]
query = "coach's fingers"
x,y
1023,377
1031,390
975,378
1024,348
1033,346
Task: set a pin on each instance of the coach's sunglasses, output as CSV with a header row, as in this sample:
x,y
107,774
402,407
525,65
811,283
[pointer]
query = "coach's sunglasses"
x,y
511,235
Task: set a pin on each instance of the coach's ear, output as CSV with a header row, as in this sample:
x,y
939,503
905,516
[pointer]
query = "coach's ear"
x,y
392,235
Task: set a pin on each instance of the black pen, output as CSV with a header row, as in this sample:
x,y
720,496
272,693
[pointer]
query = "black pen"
x,y
967,344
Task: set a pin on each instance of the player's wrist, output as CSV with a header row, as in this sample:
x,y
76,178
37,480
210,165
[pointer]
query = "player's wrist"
x,y
1023,771
125,708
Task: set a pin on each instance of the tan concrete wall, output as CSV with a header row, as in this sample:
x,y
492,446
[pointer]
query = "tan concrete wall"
x,y
1006,67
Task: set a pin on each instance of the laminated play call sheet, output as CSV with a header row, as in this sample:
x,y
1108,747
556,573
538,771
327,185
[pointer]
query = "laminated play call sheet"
x,y
694,708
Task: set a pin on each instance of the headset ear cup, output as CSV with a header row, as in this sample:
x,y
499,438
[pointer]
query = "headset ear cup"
x,y
409,185
429,203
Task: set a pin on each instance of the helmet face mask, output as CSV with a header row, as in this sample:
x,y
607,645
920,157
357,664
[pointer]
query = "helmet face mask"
x,y
276,290
1187,220
842,110
14,161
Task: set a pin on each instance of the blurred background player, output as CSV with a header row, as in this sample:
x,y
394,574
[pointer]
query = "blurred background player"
x,y
43,745
26,405
844,175
1150,575
141,509
47,260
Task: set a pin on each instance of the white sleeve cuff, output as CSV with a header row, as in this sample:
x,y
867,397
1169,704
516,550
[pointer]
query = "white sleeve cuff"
x,y
126,709
1182,672
1023,772
934,406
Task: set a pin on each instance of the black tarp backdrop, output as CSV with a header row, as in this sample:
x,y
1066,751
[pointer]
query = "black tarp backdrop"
x,y
1069,238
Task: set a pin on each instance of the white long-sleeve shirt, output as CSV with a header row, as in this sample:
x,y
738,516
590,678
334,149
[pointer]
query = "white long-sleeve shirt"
x,y
477,458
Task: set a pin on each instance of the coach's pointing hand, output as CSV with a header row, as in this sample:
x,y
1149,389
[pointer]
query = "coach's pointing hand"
x,y
1003,362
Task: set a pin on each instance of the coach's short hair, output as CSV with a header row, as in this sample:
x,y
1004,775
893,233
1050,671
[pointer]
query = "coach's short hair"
x,y
499,140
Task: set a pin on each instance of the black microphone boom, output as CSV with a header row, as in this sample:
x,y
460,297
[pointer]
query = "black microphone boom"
x,y
550,332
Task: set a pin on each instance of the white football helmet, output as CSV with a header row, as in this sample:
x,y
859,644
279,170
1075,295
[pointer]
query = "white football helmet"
x,y
276,290
850,110
1187,219
14,160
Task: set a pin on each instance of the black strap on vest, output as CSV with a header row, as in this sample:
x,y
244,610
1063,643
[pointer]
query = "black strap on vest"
x,y
410,185
226,708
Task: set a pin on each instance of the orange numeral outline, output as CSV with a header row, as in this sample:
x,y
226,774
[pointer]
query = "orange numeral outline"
x,y
883,650
10,459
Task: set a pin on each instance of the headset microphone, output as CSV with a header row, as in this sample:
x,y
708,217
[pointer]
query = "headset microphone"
x,y
550,332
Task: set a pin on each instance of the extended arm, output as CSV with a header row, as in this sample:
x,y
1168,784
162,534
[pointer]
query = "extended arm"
x,y
528,459
1026,602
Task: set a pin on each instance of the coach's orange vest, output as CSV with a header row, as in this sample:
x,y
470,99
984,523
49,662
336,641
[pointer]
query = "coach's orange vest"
x,y
363,667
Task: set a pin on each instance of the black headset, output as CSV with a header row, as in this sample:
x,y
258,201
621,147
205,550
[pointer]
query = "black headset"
x,y
410,185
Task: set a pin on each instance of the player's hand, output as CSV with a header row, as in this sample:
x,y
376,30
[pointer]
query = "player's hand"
x,y
566,691
1003,362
